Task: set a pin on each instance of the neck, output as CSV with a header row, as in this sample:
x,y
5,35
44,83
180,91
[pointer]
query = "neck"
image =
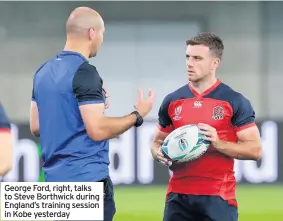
x,y
203,85
77,45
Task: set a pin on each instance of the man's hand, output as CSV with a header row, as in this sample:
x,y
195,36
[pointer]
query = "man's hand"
x,y
159,156
144,106
107,105
210,134
248,146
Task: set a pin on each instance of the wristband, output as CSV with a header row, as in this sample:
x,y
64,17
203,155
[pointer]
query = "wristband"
x,y
139,120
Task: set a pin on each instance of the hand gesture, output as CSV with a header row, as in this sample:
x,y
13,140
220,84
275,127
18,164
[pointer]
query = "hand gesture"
x,y
144,106
210,134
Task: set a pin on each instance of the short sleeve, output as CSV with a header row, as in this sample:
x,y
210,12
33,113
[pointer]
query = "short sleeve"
x,y
87,85
4,121
243,114
164,120
32,94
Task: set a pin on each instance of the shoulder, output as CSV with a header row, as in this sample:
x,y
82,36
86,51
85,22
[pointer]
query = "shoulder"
x,y
183,91
43,66
86,73
180,93
228,94
87,70
243,112
87,67
40,67
87,84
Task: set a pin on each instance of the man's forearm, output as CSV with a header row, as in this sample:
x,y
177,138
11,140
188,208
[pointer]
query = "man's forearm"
x,y
114,126
241,151
154,148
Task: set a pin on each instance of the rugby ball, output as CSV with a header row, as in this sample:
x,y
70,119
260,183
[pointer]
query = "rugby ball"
x,y
184,144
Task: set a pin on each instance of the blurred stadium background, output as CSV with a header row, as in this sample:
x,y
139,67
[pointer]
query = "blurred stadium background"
x,y
144,47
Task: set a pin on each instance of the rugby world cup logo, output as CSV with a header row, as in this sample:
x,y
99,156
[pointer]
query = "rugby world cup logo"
x,y
177,113
183,144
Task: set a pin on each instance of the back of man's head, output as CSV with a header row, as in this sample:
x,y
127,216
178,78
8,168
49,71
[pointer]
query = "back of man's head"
x,y
82,19
85,30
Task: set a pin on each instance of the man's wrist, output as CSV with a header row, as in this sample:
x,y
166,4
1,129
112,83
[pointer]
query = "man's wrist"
x,y
219,145
139,119
154,155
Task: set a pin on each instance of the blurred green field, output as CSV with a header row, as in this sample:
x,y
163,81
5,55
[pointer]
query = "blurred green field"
x,y
256,203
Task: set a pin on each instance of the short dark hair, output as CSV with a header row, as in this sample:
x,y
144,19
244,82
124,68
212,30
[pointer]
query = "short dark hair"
x,y
212,41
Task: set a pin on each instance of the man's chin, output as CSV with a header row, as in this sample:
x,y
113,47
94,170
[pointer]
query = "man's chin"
x,y
92,55
193,79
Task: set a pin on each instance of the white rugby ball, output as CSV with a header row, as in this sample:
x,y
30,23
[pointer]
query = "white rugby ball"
x,y
184,144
